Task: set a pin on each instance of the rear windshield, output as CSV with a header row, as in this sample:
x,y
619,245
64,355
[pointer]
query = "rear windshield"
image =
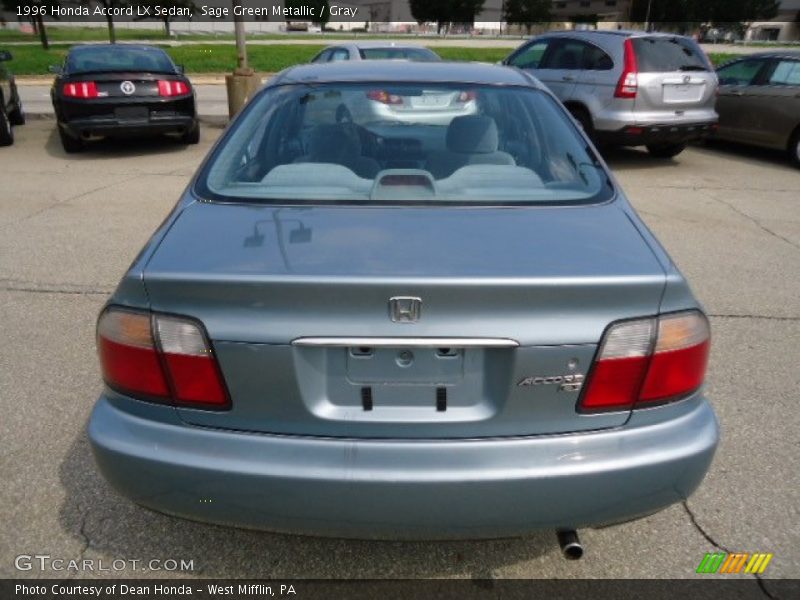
x,y
418,54
404,143
119,58
665,54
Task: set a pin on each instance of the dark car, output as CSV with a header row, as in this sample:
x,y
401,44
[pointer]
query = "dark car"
x,y
11,112
104,90
759,101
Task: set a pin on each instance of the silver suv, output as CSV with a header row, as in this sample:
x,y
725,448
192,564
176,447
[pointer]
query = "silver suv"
x,y
626,87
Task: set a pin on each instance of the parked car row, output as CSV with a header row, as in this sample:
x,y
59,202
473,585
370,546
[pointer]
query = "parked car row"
x,y
660,90
624,88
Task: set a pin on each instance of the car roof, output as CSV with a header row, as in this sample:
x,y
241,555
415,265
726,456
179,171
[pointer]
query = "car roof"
x,y
405,71
769,54
379,44
82,47
623,33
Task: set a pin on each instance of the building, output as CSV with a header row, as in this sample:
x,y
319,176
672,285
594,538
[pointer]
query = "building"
x,y
785,27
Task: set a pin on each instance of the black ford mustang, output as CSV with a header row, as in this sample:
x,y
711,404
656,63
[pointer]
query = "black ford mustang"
x,y
103,90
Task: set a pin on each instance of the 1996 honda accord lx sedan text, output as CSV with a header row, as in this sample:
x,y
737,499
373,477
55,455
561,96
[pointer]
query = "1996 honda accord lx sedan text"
x,y
401,329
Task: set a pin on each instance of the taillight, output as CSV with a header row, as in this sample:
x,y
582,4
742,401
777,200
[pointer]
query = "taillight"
x,y
159,357
384,97
648,361
169,87
466,96
80,89
628,83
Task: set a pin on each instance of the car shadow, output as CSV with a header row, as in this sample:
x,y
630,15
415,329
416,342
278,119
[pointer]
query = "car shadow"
x,y
107,524
752,154
116,148
630,158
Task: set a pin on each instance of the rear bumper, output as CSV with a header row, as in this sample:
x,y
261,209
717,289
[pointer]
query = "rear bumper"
x,y
403,488
641,135
105,125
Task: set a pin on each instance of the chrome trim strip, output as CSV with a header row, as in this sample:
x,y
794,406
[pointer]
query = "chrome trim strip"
x,y
397,342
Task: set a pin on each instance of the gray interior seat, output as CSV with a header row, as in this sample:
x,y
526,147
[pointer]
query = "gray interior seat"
x,y
471,140
339,144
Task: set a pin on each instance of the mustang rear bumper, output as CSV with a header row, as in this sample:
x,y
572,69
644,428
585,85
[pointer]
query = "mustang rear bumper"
x,y
424,489
107,125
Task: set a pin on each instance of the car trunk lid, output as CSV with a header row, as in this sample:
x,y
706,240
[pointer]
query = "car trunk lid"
x,y
306,308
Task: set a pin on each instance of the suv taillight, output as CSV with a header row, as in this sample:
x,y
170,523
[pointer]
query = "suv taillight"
x,y
159,357
169,88
80,89
628,83
648,361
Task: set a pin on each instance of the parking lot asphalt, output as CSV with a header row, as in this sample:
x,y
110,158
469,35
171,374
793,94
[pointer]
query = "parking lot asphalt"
x,y
72,224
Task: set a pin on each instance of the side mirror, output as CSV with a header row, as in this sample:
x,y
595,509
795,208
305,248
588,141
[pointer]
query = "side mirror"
x,y
54,69
181,69
5,55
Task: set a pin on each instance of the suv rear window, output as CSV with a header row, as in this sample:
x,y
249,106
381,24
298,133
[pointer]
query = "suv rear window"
x,y
666,54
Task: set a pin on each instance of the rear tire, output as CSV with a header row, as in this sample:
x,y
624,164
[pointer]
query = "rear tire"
x,y
794,148
71,145
6,133
665,150
585,119
192,136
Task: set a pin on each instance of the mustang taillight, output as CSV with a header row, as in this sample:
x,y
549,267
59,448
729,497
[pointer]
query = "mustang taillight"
x,y
169,87
648,361
80,89
159,357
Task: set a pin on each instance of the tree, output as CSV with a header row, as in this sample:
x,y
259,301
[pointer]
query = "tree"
x,y
165,16
319,7
443,12
526,12
37,21
716,12
108,6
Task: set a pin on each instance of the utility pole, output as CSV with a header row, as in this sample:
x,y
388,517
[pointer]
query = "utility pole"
x,y
647,17
243,83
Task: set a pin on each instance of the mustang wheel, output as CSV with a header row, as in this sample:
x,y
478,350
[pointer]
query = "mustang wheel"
x,y
70,144
192,136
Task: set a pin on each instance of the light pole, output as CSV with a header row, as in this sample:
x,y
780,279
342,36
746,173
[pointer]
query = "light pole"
x,y
647,16
243,83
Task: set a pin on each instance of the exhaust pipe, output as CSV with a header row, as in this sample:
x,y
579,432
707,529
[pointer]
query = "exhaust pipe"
x,y
571,546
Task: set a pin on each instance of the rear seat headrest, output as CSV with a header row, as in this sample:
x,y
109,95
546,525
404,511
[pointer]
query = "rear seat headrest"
x,y
472,134
334,142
